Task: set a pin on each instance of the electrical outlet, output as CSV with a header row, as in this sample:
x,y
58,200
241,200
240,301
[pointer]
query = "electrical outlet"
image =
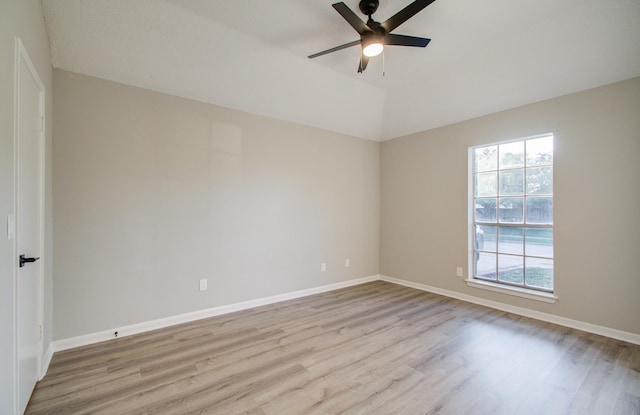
x,y
323,267
459,272
203,285
347,263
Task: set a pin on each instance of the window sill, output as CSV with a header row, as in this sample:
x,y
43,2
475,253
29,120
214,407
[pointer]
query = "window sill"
x,y
516,291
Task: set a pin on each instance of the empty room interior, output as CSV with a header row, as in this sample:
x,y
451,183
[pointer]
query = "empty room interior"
x,y
235,207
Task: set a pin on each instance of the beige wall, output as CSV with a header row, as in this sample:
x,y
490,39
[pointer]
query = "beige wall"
x,y
597,226
154,192
21,18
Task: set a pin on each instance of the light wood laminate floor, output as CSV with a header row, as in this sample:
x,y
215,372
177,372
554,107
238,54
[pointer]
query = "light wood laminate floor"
x,y
376,348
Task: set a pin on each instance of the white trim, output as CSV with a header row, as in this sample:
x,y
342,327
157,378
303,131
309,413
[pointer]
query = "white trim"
x,y
470,213
514,140
16,106
103,335
550,318
517,291
46,361
22,56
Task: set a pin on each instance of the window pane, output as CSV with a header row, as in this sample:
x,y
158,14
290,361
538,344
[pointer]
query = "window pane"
x,y
512,182
486,210
485,238
540,151
486,184
513,213
539,273
512,155
510,240
511,269
539,210
539,180
485,265
486,158
510,209
539,242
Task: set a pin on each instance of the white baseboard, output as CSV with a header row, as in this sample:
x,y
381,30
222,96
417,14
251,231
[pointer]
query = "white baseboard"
x,y
129,330
550,318
46,360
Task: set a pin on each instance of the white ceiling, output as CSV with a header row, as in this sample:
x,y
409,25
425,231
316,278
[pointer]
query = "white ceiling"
x,y
485,56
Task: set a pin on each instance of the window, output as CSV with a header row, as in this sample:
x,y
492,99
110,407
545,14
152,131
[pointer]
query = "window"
x,y
512,220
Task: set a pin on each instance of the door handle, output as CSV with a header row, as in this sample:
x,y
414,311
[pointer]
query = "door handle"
x,y
24,260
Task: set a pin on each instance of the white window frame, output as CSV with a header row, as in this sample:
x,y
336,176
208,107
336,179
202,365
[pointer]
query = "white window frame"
x,y
547,296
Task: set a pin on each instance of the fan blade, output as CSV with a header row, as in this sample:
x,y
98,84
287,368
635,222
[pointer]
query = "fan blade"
x,y
337,48
351,18
405,14
364,60
402,40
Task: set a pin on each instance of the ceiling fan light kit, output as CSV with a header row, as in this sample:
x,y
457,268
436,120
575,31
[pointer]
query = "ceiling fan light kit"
x,y
373,46
373,35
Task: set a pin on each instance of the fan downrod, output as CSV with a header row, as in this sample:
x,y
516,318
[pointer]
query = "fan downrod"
x,y
368,7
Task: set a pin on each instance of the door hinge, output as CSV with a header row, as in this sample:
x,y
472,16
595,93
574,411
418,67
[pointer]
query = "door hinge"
x,y
40,331
41,123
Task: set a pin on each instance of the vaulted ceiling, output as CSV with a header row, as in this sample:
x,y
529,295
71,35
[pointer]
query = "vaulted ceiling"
x,y
485,56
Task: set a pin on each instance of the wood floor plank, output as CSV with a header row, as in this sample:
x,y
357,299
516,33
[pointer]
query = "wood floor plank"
x,y
629,400
375,348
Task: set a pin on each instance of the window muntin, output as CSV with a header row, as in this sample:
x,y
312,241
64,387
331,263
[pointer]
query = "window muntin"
x,y
513,213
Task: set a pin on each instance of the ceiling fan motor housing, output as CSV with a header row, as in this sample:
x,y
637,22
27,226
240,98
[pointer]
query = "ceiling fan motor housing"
x,y
368,7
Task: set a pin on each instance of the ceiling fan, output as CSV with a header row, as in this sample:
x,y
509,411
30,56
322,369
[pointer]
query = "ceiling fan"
x,y
373,35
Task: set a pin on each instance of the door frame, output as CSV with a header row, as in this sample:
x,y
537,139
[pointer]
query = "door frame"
x,y
21,56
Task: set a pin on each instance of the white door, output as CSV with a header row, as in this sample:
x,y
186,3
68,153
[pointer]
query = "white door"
x,y
29,187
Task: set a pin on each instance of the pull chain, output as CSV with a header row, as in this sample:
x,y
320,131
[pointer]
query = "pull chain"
x,y
383,62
